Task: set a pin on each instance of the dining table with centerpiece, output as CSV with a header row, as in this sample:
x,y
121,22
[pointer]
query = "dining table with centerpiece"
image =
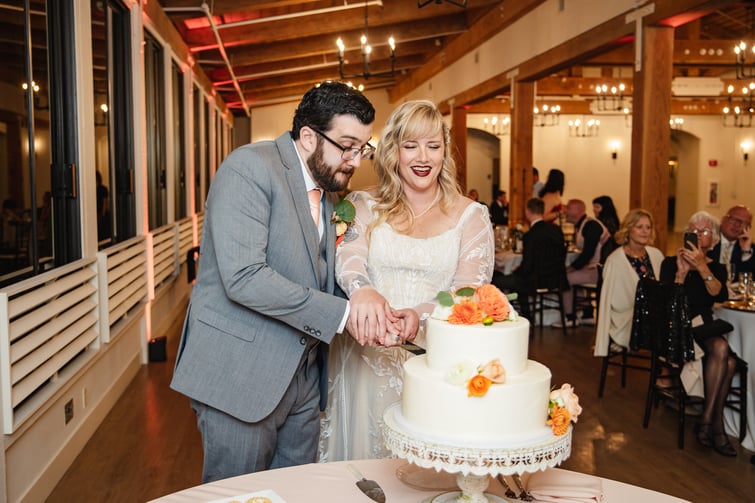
x,y
740,312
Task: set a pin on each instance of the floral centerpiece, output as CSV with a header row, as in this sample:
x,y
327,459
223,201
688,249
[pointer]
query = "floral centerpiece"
x,y
484,305
343,216
563,408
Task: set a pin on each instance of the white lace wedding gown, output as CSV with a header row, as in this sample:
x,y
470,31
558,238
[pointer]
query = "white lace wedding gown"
x,y
408,272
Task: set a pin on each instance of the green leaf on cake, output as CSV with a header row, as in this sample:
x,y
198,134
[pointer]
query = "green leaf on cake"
x,y
467,291
445,299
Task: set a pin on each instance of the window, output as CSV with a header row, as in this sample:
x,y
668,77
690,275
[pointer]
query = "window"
x,y
38,178
154,82
179,142
198,159
114,143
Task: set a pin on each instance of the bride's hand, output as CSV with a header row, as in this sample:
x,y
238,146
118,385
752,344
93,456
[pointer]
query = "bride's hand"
x,y
409,323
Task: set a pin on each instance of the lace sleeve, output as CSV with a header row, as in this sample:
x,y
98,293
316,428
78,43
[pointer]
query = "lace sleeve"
x,y
351,255
477,249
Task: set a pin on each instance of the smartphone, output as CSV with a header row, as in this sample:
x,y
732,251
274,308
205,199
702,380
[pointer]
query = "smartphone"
x,y
690,237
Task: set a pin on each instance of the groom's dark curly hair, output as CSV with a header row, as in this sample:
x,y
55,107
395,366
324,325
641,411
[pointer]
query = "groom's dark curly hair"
x,y
328,99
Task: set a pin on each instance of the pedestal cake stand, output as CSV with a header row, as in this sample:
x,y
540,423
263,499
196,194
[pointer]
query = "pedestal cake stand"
x,y
472,464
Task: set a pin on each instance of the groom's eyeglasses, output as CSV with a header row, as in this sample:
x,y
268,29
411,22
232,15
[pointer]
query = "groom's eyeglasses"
x,y
349,153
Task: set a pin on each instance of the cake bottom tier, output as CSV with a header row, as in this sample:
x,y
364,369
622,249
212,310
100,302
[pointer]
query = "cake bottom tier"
x,y
513,413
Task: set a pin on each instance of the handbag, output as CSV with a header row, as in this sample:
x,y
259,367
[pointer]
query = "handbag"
x,y
712,329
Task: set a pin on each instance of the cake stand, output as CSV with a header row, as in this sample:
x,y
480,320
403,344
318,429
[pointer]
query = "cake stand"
x,y
472,464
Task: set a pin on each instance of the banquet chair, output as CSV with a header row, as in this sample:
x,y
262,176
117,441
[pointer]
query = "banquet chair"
x,y
637,356
585,295
737,399
661,324
623,358
681,401
549,298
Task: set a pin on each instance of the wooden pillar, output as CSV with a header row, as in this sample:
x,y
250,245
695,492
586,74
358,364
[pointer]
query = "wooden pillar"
x,y
520,165
459,142
651,133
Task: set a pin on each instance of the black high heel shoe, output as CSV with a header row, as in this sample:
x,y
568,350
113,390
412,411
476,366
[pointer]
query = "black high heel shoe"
x,y
703,434
722,446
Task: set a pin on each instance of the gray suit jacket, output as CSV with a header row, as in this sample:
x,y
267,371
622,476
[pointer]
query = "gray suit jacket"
x,y
257,302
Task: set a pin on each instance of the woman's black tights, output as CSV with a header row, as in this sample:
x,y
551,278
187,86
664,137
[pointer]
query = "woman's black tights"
x,y
718,371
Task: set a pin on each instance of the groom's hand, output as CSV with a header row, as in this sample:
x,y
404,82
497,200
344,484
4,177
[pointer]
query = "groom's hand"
x,y
369,316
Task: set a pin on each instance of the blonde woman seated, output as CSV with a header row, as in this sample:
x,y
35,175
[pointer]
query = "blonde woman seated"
x,y
634,259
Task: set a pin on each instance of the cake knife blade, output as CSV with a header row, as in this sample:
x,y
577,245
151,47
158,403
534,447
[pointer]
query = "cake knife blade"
x,y
368,487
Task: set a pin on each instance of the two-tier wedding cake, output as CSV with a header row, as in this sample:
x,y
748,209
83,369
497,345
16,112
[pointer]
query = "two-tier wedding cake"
x,y
475,385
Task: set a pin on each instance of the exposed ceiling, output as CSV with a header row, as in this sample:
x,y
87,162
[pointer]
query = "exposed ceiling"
x,y
276,50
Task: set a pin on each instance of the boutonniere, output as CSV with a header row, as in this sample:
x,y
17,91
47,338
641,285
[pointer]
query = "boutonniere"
x,y
343,216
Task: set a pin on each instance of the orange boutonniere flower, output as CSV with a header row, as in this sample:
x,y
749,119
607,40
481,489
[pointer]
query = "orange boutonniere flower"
x,y
478,385
343,216
559,420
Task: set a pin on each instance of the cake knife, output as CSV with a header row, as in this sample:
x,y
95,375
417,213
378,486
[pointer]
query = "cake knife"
x,y
368,487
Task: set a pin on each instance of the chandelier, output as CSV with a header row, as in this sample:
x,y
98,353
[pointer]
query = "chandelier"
x,y
676,123
738,112
497,127
546,115
745,69
611,99
366,50
458,3
584,128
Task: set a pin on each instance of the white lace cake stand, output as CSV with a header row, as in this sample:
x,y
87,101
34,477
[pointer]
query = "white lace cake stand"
x,y
473,465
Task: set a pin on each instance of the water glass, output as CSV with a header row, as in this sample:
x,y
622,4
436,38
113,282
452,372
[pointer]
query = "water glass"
x,y
745,284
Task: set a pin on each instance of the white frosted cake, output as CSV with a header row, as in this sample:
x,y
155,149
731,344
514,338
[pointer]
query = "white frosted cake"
x,y
441,398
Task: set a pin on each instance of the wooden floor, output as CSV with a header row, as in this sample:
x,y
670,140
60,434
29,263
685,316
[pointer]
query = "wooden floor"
x,y
149,446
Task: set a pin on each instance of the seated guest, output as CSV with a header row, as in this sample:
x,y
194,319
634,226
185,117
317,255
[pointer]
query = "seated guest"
x,y
589,236
735,248
551,196
499,209
624,267
605,211
543,257
703,280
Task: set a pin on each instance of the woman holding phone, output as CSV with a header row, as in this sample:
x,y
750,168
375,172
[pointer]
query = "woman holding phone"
x,y
703,280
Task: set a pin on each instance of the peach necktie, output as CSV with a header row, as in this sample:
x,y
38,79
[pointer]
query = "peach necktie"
x,y
314,205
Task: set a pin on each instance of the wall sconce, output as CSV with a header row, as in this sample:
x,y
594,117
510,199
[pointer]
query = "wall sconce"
x,y
36,95
100,117
614,146
745,147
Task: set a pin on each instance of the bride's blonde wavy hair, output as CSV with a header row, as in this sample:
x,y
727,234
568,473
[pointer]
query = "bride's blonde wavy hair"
x,y
410,121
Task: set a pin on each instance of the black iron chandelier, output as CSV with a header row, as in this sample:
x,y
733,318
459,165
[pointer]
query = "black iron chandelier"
x,y
366,50
739,110
462,4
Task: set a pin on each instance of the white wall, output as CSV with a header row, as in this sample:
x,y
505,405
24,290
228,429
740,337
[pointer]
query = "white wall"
x,y
591,172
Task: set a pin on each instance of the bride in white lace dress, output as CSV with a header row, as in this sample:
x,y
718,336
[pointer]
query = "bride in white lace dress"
x,y
414,235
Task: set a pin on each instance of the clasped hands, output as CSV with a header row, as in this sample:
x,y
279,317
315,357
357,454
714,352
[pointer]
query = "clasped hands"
x,y
373,321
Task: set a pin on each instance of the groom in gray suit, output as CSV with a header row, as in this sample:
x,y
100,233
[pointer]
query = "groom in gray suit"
x,y
253,353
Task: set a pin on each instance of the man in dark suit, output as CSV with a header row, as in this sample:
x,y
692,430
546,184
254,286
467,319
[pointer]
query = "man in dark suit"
x,y
253,353
734,250
543,258
499,209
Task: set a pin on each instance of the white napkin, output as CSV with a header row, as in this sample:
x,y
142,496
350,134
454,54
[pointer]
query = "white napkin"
x,y
561,486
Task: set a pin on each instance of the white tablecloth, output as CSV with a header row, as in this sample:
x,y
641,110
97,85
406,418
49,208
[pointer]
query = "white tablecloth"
x,y
329,482
507,260
742,342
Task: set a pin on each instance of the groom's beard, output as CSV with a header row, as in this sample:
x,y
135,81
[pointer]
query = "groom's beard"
x,y
329,178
